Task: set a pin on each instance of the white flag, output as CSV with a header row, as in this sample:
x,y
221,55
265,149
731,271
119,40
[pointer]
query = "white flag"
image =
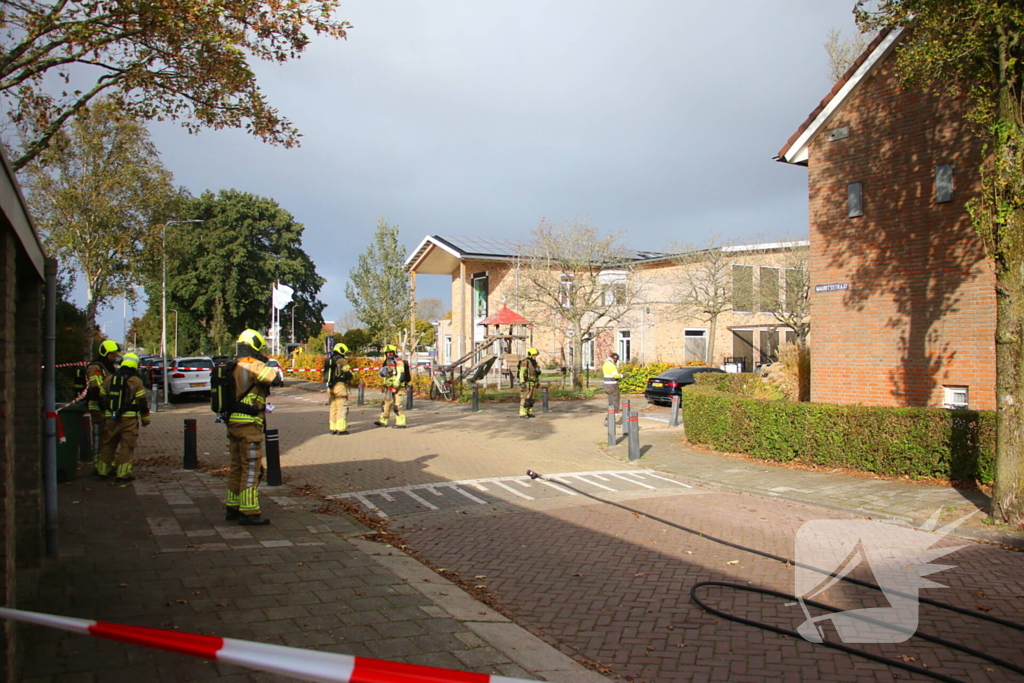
x,y
282,296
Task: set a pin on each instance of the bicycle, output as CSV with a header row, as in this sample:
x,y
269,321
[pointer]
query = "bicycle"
x,y
443,385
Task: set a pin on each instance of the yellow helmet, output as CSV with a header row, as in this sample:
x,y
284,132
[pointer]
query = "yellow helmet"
x,y
532,352
108,347
391,347
253,338
130,360
340,348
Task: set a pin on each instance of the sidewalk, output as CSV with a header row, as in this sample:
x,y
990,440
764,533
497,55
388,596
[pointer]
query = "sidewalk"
x,y
158,553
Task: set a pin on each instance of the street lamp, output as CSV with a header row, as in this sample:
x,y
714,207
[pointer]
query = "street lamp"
x,y
163,303
103,328
175,331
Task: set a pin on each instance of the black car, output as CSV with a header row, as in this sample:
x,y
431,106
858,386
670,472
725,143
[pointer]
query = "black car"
x,y
220,360
662,388
151,370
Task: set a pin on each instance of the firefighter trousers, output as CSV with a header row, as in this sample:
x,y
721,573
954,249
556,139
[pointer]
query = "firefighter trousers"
x,y
338,400
393,400
245,441
117,447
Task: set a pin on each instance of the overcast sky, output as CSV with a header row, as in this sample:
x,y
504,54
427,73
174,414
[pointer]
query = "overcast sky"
x,y
658,119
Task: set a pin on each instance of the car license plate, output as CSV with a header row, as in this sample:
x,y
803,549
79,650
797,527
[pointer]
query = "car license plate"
x,y
198,384
656,384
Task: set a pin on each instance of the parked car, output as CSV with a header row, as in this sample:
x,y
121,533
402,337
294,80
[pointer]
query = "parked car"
x,y
189,375
662,388
220,360
151,370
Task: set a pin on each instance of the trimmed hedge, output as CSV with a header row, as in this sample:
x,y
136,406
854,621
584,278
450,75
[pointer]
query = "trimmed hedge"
x,y
957,445
420,383
636,383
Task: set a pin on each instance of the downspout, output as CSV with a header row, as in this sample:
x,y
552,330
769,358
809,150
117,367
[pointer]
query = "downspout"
x,y
50,408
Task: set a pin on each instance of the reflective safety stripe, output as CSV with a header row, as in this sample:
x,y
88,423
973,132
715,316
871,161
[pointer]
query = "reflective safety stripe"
x,y
249,501
233,499
123,470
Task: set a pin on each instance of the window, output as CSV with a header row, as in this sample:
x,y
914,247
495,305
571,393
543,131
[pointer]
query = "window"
x,y
614,283
768,284
588,354
624,346
743,288
956,398
944,183
854,200
796,290
769,346
567,280
695,345
447,348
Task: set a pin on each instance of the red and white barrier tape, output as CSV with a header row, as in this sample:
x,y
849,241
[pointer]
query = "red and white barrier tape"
x,y
304,665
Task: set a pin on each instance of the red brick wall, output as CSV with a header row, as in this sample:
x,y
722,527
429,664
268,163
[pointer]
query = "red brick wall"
x,y
920,309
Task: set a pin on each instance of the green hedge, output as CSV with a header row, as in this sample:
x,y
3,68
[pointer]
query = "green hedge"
x,y
636,383
957,445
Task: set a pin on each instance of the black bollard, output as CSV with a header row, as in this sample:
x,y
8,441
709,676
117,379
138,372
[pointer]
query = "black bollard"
x,y
408,397
673,420
634,436
273,458
362,394
544,399
190,461
610,421
476,399
85,438
625,413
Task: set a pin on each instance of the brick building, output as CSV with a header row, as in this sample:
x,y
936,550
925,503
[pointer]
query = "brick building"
x,y
902,296
484,278
21,405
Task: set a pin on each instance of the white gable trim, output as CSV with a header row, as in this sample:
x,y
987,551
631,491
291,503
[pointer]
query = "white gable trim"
x,y
421,251
798,152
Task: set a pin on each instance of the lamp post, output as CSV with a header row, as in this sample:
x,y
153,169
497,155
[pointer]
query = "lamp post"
x,y
163,303
171,310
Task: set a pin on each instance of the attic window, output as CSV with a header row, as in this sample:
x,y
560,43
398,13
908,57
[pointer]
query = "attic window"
x,y
854,200
944,183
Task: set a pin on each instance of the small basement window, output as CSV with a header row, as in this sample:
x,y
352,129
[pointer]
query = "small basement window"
x,y
854,200
956,398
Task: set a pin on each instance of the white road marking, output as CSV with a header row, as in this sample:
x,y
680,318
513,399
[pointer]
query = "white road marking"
x,y
658,476
421,500
369,506
512,490
467,494
557,487
634,481
594,483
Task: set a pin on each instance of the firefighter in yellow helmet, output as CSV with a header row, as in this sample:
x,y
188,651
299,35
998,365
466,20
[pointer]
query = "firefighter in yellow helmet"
x,y
395,372
338,377
529,378
96,373
123,396
252,379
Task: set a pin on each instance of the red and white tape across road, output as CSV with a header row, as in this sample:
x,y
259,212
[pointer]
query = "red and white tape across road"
x,y
303,665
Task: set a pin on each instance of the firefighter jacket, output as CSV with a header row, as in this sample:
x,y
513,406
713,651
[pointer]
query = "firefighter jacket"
x,y
341,373
395,373
611,373
134,402
96,373
529,371
253,379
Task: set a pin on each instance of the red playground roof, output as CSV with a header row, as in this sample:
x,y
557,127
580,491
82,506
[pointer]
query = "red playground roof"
x,y
504,317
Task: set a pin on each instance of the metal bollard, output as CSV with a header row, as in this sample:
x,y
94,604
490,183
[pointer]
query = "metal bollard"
x,y
190,461
544,399
362,394
610,421
273,458
673,420
625,412
85,438
476,399
634,436
155,403
408,397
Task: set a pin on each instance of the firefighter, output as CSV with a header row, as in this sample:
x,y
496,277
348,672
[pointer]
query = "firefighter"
x,y
338,377
96,373
124,398
252,379
395,372
612,376
529,378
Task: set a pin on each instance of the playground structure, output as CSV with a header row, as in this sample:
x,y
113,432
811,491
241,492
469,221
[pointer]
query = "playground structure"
x,y
505,349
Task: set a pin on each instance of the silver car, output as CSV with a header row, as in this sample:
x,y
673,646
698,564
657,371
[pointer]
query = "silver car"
x,y
189,375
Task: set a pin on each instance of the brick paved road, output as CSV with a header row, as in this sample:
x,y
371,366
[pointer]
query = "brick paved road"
x,y
605,583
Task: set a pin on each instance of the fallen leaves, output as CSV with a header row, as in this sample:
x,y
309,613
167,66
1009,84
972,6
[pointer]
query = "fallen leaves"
x,y
733,562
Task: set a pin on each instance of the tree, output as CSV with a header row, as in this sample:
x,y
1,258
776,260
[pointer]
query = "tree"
x,y
975,48
794,309
580,280
184,60
356,339
96,195
430,308
703,290
379,288
347,321
220,271
842,53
